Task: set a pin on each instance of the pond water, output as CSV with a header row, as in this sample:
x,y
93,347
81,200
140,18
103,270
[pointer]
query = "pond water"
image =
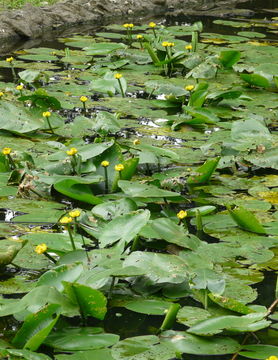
x,y
169,153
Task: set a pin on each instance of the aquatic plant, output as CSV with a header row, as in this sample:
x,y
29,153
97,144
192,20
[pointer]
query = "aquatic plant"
x,y
153,196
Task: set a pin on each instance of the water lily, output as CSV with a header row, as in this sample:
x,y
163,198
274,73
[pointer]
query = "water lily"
x,y
73,151
74,213
46,115
41,248
152,25
66,221
105,164
189,87
118,77
19,87
181,214
6,151
119,167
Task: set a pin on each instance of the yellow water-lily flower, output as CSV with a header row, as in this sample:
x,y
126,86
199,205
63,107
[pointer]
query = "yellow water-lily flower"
x,y
105,163
72,151
119,167
41,248
83,98
46,114
65,220
74,213
128,26
181,214
189,87
6,151
118,76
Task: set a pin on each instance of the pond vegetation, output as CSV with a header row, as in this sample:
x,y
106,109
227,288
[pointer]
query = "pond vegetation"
x,y
138,184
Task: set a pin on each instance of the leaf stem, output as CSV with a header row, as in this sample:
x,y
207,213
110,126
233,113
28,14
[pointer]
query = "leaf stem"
x,y
11,161
121,88
50,257
170,317
106,180
272,307
71,238
49,125
111,287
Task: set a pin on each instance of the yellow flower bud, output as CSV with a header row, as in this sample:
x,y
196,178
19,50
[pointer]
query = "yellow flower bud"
x,y
139,36
83,98
152,24
136,142
74,213
189,87
272,357
40,249
181,214
66,220
46,114
188,47
19,87
10,59
165,43
6,151
128,26
119,167
105,163
1,94
72,151
117,76
171,44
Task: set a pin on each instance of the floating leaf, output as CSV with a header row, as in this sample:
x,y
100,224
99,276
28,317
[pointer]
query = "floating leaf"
x,y
190,315
229,57
203,173
142,348
256,80
85,338
136,189
159,267
184,342
246,220
36,328
91,302
149,307
123,228
259,351
57,275
246,323
77,190
230,304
